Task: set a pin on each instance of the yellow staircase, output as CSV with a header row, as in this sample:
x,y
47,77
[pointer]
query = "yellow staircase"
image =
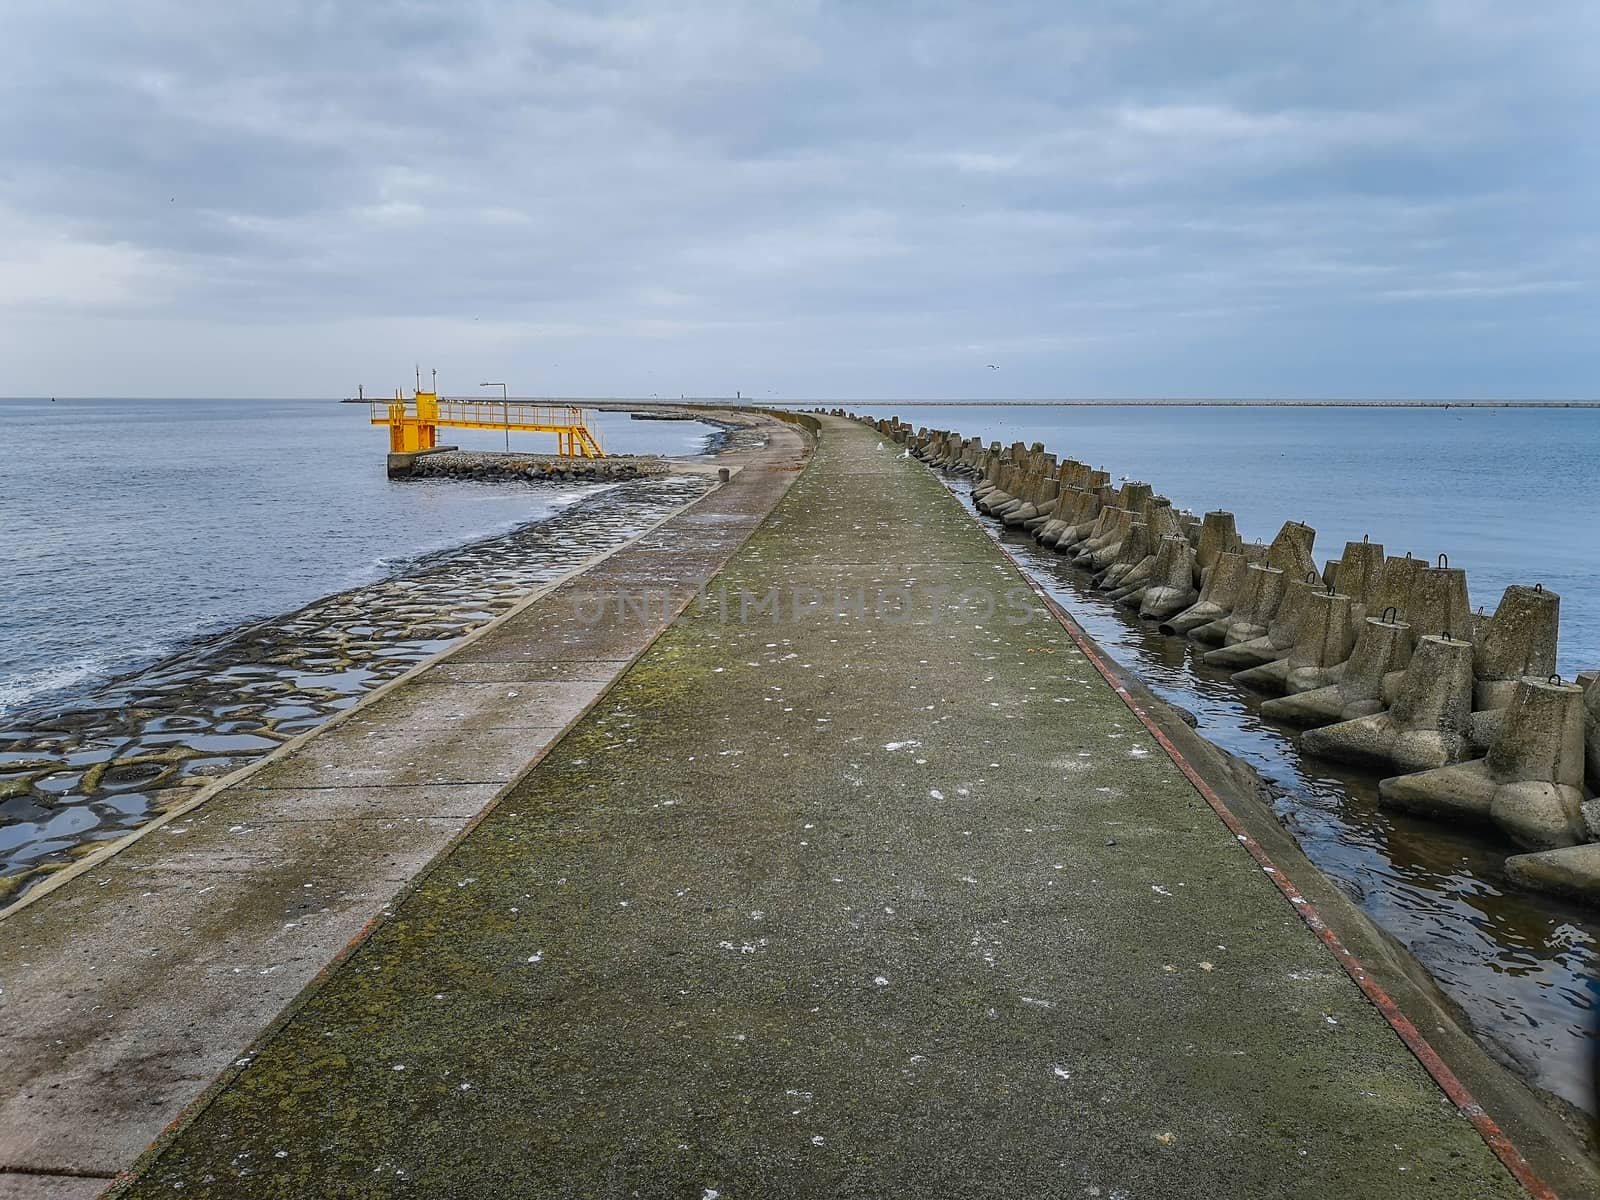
x,y
414,425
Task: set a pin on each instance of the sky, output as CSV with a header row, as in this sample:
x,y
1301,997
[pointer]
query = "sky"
x,y
1290,198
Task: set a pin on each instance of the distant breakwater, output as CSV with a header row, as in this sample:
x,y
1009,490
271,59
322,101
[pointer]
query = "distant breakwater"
x,y
1379,659
1223,403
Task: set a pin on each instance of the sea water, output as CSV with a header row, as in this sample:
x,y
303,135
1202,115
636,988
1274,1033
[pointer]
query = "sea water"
x,y
129,528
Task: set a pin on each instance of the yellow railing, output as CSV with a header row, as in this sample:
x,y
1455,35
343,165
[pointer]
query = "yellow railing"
x,y
411,423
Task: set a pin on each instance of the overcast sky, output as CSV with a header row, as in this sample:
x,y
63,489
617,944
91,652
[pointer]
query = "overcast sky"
x,y
1283,198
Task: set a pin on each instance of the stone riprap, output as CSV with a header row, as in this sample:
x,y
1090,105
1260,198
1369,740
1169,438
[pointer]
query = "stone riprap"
x,y
861,881
535,468
1379,659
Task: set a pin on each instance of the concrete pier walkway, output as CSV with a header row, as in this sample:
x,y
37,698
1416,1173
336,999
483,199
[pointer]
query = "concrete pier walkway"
x,y
859,882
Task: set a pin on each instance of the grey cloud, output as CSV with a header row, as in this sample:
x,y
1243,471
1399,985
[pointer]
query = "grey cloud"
x,y
842,199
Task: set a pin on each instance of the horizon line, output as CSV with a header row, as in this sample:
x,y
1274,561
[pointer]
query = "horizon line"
x,y
1150,401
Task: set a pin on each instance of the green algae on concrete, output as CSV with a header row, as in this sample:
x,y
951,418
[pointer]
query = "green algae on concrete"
x,y
841,899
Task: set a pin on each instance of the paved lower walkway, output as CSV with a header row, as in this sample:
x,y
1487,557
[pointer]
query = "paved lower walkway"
x,y
128,987
844,903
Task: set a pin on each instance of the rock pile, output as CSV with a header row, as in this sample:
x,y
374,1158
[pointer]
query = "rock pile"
x,y
536,468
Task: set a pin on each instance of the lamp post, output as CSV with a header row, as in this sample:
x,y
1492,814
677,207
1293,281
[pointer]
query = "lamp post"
x,y
505,408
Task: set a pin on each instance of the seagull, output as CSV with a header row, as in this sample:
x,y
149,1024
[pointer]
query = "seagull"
x,y
992,367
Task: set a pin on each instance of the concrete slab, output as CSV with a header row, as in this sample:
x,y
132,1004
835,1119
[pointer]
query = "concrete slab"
x,y
107,1038
457,800
49,1187
571,670
363,756
479,706
223,837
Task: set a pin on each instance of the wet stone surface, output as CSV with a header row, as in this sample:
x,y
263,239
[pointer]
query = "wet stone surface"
x,y
70,780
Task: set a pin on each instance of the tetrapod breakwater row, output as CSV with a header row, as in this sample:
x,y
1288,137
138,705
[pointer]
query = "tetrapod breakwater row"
x,y
1378,659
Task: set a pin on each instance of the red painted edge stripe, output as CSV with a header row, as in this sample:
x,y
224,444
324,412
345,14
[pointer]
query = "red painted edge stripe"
x,y
1502,1146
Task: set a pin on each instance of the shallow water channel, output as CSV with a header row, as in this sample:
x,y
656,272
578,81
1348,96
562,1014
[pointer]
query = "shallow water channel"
x,y
1521,966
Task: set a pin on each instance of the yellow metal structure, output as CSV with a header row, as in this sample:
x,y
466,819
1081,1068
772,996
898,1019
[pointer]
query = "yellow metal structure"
x,y
415,425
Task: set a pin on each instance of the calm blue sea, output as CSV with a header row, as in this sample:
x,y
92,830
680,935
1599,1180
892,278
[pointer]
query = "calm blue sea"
x,y
1512,495
131,527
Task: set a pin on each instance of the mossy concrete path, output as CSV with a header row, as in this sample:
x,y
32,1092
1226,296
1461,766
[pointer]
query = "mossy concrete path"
x,y
860,882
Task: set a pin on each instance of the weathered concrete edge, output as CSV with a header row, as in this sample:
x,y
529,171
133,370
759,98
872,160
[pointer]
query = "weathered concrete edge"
x,y
223,782
130,1174
399,463
1530,1138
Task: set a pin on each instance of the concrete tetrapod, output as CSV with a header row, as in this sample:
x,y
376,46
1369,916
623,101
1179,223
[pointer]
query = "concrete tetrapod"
x,y
1075,505
1360,568
1439,602
1359,575
1041,500
1530,783
1101,553
1427,727
1395,585
1218,535
971,456
1290,551
1520,639
1161,521
1044,506
1069,539
1024,480
1131,585
1224,583
1021,496
1171,588
1437,605
1283,630
1040,480
1021,482
1571,871
1134,495
1380,648
1591,723
1323,640
993,468
1132,551
1262,592
1002,472
1104,524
